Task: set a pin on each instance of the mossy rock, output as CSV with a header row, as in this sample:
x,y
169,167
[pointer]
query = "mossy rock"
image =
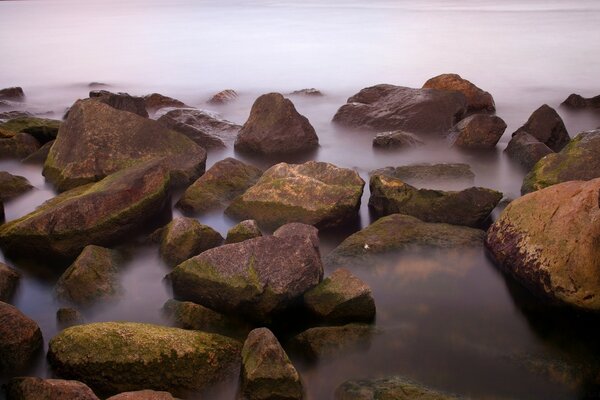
x,y
20,340
397,388
184,238
245,230
44,130
114,357
12,186
31,388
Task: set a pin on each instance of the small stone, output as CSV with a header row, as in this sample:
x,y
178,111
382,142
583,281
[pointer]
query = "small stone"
x,y
245,230
42,129
156,101
18,146
184,238
307,92
39,156
577,101
428,174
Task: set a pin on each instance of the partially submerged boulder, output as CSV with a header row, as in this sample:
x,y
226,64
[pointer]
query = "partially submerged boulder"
x,y
113,357
222,183
103,213
9,279
20,339
156,101
184,238
314,193
18,146
307,92
42,129
117,140
478,131
267,372
398,388
40,155
224,96
526,150
396,140
68,316
469,207
427,174
275,127
143,395
12,93
30,388
389,107
245,230
577,101
120,101
546,126
12,186
477,99
331,341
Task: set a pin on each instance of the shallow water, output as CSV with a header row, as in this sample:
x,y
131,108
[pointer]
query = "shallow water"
x,y
449,320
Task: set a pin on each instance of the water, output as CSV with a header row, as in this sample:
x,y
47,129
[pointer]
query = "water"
x,y
448,320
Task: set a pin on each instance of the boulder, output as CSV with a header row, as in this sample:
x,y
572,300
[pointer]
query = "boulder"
x,y
8,115
156,101
388,107
526,150
477,99
12,93
117,140
399,232
40,155
258,278
20,339
396,140
222,183
548,241
121,101
30,388
331,341
579,160
299,231
12,186
9,279
143,395
224,96
314,193
114,357
546,126
398,388
67,316
245,230
469,207
478,131
93,276
104,213
307,92
275,127
184,238
42,129
267,372
341,298
18,146
427,174
577,101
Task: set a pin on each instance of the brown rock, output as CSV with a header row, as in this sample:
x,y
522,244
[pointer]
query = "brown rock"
x,y
477,99
12,186
143,395
396,140
67,316
546,126
479,131
224,96
31,388
156,101
578,101
40,155
307,92
331,341
121,101
12,93
245,230
526,150
20,339
184,238
18,146
9,279
430,174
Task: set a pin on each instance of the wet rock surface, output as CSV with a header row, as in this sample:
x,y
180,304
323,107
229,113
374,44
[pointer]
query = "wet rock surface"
x,y
20,339
477,99
184,238
12,93
156,101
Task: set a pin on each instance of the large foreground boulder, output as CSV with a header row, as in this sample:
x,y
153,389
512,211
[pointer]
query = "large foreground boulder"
x,y
398,232
548,241
579,160
479,131
31,388
12,186
184,238
275,127
113,357
388,107
97,140
477,99
546,126
397,388
469,207
314,193
20,339
258,278
526,150
121,101
9,279
103,213
428,174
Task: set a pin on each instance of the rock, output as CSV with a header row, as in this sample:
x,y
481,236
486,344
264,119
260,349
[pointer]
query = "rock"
x,y
224,96
206,129
19,146
104,213
8,115
399,232
42,129
143,395
9,279
184,238
31,388
188,315
314,193
578,101
267,372
388,107
113,357
2,217
12,93
478,131
257,278
121,101
275,127
331,341
12,186
469,207
420,174
96,85
398,388
222,183
117,140
341,298
526,150
299,231
579,160
548,241
39,156
546,126
477,99
68,316
20,339
156,101
92,277
396,140
245,230
307,92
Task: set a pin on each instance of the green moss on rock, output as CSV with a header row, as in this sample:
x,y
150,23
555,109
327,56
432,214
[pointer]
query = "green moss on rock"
x,y
184,238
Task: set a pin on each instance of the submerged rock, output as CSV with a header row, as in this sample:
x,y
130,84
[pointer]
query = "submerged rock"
x,y
314,193
396,140
469,207
18,146
12,186
184,238
546,126
307,92
479,131
67,316
12,93
9,279
222,183
120,101
143,395
388,107
117,140
245,230
579,160
114,357
331,341
42,129
20,339
275,127
398,232
578,101
477,99
398,388
31,388
548,241
103,213
224,96
419,174
526,150
156,101
267,372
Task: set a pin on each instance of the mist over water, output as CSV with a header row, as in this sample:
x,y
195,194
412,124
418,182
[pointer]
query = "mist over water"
x,y
447,320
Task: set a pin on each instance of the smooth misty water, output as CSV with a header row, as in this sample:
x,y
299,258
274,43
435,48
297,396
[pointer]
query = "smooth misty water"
x,y
447,319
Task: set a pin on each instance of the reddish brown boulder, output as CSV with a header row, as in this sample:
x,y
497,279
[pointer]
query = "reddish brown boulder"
x,y
20,339
31,388
479,131
477,99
